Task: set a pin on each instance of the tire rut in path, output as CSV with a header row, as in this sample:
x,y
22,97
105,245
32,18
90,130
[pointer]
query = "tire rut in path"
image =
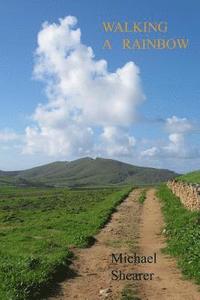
x,y
168,283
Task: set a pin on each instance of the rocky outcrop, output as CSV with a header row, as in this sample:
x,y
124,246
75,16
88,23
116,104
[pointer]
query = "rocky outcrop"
x,y
188,193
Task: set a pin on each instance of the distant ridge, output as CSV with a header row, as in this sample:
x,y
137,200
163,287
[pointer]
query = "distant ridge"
x,y
87,172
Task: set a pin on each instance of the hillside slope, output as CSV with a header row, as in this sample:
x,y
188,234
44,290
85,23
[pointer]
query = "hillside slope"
x,y
89,172
192,177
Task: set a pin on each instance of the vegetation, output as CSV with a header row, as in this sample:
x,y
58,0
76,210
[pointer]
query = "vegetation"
x,y
193,177
87,172
129,293
37,229
183,233
142,196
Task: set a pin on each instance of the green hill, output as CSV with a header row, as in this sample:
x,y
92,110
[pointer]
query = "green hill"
x,y
87,172
193,177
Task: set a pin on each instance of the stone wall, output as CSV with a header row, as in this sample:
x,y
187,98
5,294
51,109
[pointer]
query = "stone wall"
x,y
188,193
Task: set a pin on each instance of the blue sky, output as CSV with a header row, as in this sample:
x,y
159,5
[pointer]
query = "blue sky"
x,y
165,130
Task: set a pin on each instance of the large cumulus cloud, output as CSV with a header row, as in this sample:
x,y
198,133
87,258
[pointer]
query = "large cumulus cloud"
x,y
86,103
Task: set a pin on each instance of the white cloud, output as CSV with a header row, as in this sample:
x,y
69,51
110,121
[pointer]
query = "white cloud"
x,y
83,97
178,125
177,146
55,141
7,135
115,142
151,152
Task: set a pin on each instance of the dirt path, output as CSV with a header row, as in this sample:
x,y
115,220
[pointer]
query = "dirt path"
x,y
168,282
133,228
94,265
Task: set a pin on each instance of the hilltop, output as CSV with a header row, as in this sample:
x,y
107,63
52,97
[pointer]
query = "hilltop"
x,y
87,172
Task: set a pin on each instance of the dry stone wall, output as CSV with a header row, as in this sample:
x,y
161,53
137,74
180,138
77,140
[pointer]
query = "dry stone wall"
x,y
188,193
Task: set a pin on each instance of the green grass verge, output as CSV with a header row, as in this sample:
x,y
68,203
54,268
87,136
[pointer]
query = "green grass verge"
x,y
142,196
182,232
193,177
37,229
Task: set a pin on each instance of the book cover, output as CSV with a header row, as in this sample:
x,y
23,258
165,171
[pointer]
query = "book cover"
x,y
99,150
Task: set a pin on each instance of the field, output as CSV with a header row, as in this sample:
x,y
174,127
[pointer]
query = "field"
x,y
182,232
39,226
193,177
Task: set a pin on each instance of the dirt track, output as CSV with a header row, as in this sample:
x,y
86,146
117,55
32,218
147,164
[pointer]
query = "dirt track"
x,y
168,282
94,266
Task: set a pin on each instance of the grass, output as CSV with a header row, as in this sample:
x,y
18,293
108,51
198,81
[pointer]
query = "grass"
x,y
142,196
193,177
129,293
182,232
37,229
